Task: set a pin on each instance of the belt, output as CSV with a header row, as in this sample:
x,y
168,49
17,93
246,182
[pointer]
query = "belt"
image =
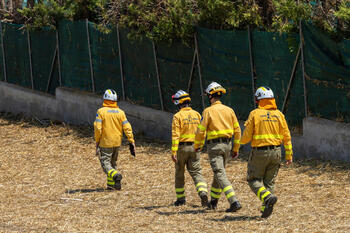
x,y
266,147
222,140
186,143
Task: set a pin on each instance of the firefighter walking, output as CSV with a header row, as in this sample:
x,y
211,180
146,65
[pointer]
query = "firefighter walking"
x,y
219,123
109,125
266,129
184,125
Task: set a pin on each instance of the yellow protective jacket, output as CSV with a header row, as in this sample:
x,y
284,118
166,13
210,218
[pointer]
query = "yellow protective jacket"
x,y
184,126
109,126
218,121
266,127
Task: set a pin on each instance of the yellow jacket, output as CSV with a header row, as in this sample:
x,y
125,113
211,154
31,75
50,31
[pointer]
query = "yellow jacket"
x,y
218,121
266,127
109,125
184,126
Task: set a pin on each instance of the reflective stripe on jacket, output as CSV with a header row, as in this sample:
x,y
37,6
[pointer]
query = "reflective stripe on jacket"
x,y
266,128
184,126
109,125
218,121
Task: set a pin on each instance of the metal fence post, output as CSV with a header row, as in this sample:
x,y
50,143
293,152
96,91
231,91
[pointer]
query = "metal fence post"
x,y
51,70
121,64
90,59
3,52
58,57
30,59
251,64
158,78
291,79
199,69
192,69
303,67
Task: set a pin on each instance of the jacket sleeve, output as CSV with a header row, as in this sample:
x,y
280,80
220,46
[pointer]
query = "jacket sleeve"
x,y
236,133
127,128
98,126
248,130
287,139
175,134
201,131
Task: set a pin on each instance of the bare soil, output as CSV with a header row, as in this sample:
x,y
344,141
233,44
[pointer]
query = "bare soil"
x,y
51,181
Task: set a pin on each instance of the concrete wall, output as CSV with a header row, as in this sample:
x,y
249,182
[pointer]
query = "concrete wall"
x,y
77,107
321,138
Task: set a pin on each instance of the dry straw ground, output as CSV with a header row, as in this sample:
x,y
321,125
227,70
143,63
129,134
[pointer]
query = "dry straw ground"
x,y
51,181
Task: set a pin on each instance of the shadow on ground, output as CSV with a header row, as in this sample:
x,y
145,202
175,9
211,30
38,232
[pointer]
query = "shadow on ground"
x,y
235,218
72,191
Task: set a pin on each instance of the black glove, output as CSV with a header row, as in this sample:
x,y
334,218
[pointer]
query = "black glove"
x,y
132,149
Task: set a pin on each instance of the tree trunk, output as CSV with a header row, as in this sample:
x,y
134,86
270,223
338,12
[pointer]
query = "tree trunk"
x,y
30,3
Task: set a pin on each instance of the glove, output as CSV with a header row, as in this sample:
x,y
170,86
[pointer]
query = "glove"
x,y
132,149
98,152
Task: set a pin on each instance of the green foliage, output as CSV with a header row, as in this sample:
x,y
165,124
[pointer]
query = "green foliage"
x,y
343,14
227,14
44,15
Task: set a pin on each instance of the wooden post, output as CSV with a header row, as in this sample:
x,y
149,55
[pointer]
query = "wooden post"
x,y
90,59
51,70
158,78
121,64
303,67
199,69
3,52
251,65
58,58
291,79
30,59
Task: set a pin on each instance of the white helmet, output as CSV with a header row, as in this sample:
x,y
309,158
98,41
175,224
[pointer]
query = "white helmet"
x,y
110,95
213,88
264,93
180,97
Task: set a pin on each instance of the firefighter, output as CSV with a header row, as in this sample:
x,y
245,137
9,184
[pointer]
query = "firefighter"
x,y
219,123
266,128
109,125
184,125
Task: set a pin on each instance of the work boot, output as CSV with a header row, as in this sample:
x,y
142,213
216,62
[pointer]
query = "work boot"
x,y
179,202
269,203
204,199
213,203
234,207
117,178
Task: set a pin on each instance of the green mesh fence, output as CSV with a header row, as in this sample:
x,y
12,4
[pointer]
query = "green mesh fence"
x,y
174,64
224,57
105,60
74,55
16,53
2,75
328,75
141,85
273,66
42,60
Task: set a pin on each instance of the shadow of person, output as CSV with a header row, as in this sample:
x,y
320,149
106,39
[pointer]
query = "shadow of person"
x,y
235,218
72,191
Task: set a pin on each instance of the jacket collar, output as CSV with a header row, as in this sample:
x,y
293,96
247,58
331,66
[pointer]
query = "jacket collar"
x,y
110,104
185,109
216,102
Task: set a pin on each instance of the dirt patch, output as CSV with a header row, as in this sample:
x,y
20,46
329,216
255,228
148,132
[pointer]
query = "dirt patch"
x,y
51,181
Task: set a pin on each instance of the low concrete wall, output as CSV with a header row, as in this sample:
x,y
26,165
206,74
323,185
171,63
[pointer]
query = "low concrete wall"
x,y
77,107
321,138
325,139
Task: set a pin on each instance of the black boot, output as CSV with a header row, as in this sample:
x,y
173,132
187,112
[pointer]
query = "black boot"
x,y
179,202
117,178
269,203
213,203
204,199
234,207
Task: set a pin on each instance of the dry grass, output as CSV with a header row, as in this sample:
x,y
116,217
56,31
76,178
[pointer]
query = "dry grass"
x,y
50,181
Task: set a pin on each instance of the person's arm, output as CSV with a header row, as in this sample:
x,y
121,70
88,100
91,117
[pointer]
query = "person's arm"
x,y
248,130
287,140
127,129
98,131
175,137
201,131
236,134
